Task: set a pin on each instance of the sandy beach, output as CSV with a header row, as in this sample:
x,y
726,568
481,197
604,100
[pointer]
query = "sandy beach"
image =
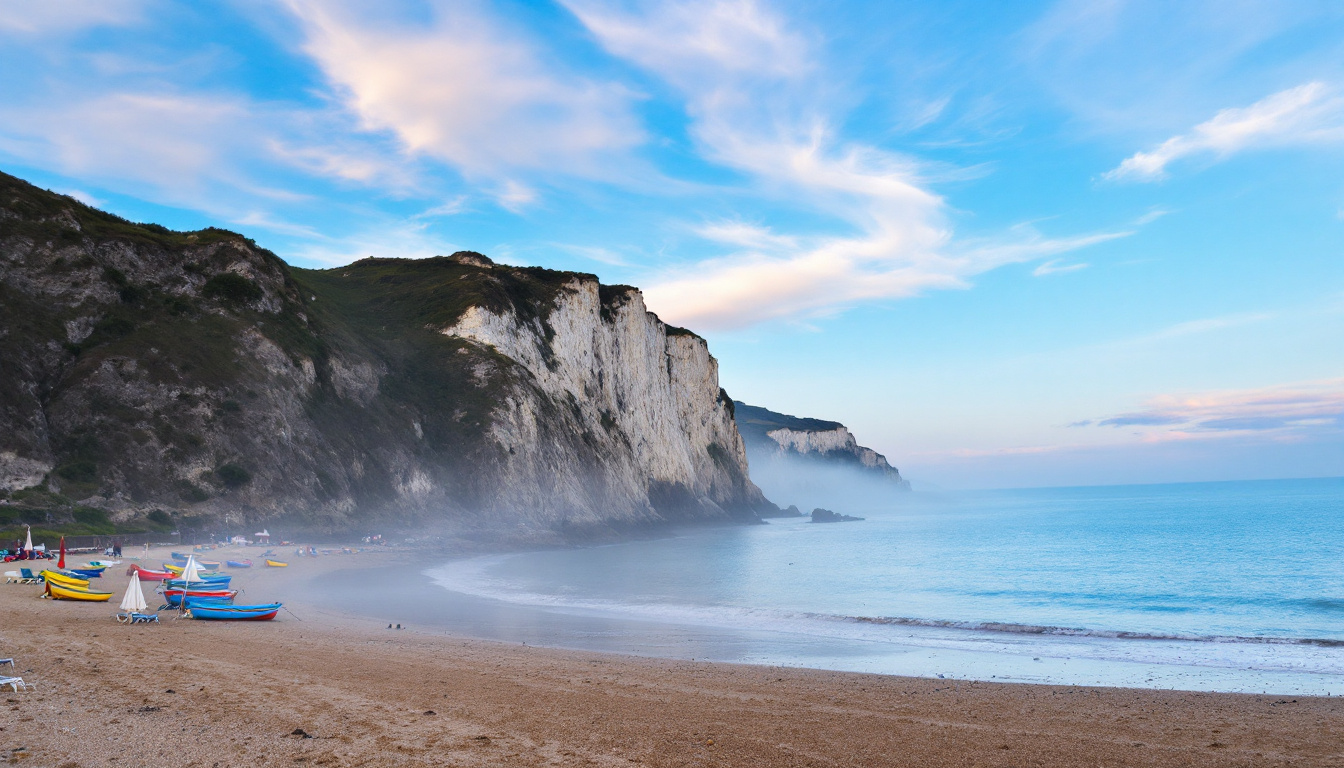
x,y
319,688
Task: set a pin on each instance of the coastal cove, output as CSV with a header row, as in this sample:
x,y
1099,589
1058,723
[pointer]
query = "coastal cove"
x,y
1023,586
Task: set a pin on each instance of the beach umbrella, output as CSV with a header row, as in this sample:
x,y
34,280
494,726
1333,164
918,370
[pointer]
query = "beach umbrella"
x,y
191,571
61,563
134,601
28,544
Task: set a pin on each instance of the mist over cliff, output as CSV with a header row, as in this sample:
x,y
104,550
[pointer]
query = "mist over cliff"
x,y
815,463
168,379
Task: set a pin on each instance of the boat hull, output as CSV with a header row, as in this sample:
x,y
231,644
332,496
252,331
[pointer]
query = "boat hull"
x,y
234,612
53,577
147,575
58,592
238,563
174,596
277,564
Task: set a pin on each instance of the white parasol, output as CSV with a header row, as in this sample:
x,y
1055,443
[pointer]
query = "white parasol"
x,y
28,545
134,601
192,571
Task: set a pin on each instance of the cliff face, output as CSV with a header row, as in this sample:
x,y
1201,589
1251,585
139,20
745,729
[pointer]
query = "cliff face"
x,y
812,462
645,398
168,379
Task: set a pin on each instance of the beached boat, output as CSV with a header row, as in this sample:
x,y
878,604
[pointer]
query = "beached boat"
x,y
178,556
197,583
211,564
57,577
148,575
178,569
61,592
174,596
238,563
234,612
277,564
88,573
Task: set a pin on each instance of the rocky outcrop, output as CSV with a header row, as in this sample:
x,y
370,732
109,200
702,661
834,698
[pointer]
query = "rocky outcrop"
x,y
820,515
198,376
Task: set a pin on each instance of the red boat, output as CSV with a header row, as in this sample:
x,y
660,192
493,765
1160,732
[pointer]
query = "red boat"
x,y
147,575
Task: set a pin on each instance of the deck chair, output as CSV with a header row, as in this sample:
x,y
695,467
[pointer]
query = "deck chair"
x,y
28,577
10,662
137,618
16,683
13,577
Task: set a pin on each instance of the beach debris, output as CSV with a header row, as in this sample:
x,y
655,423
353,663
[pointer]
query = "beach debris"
x,y
170,690
149,709
430,712
300,733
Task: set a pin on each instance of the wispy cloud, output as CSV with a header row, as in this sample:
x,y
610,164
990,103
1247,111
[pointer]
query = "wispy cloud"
x,y
50,17
1287,410
465,89
760,104
1306,114
1054,267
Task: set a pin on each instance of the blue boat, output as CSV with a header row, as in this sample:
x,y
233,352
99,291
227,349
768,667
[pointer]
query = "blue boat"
x,y
235,612
88,573
218,583
238,563
178,556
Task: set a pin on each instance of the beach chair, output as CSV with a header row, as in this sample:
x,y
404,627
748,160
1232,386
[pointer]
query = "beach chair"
x,y
137,618
16,683
28,577
10,662
13,577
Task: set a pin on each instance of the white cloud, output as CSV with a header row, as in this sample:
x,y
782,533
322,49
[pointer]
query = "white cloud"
x,y
1054,267
466,91
173,143
1306,114
831,273
760,103
48,17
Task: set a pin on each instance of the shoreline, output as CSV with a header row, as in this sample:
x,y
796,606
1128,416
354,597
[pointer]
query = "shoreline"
x,y
234,693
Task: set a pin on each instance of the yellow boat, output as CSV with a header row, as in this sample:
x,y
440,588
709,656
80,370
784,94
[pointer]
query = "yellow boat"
x,y
58,592
65,581
277,564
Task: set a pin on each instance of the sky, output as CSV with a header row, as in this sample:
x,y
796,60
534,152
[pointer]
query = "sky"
x,y
1009,244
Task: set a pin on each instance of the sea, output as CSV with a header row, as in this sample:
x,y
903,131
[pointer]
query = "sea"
x,y
1232,586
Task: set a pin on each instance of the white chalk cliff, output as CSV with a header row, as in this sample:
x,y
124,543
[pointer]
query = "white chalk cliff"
x,y
643,398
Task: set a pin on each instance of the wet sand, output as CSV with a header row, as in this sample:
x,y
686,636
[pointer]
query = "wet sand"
x,y
234,694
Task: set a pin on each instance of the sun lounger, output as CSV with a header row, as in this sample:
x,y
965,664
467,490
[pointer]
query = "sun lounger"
x,y
137,618
10,662
16,683
28,577
13,577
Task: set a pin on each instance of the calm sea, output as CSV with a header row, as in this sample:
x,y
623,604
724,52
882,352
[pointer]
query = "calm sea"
x,y
1209,586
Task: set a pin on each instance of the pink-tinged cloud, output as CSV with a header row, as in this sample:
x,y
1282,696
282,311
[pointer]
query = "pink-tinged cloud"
x,y
468,90
1302,408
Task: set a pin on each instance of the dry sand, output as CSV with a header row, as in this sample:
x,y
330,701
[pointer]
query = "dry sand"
x,y
234,694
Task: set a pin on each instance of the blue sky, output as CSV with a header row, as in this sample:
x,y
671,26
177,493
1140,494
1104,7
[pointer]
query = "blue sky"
x,y
1008,244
